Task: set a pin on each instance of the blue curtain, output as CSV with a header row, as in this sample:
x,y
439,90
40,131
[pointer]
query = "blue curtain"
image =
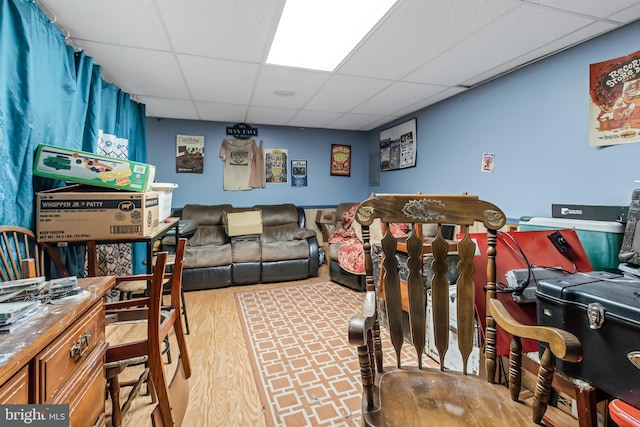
x,y
53,95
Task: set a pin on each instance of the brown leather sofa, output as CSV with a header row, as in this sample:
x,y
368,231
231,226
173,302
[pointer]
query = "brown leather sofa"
x,y
285,250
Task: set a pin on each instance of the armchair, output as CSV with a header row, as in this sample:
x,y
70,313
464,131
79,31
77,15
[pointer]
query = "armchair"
x,y
404,395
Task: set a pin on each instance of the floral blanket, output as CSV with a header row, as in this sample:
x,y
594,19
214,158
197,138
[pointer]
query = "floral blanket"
x,y
351,251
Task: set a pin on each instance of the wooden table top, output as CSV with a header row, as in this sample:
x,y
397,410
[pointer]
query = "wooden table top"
x,y
21,345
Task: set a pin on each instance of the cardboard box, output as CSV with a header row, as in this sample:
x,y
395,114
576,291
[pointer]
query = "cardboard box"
x,y
243,223
78,213
92,169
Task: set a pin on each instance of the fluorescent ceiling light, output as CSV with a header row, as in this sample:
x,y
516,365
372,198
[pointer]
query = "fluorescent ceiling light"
x,y
319,34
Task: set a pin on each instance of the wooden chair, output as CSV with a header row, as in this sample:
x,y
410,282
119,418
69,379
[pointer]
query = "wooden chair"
x,y
18,244
160,320
420,396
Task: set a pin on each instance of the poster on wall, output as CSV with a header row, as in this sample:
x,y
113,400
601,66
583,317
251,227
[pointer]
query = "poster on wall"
x,y
340,160
614,107
189,154
275,165
398,146
298,173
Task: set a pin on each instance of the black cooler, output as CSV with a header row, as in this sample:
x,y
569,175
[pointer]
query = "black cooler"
x,y
603,310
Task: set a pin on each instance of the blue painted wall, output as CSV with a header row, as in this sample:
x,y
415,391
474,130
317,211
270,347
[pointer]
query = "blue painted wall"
x,y
312,145
535,120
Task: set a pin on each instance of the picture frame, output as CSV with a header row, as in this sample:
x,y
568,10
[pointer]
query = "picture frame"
x,y
340,160
189,154
298,173
398,146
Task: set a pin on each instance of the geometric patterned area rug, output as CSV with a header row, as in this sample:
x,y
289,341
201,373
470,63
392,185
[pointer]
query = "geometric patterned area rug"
x,y
297,337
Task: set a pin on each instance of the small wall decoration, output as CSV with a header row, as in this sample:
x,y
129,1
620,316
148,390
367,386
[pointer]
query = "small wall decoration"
x,y
189,154
275,165
488,160
398,146
298,173
340,160
614,89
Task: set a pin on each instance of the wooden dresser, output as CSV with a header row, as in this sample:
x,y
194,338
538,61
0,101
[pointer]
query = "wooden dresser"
x,y
58,357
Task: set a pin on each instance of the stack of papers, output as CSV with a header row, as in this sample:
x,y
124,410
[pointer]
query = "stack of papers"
x,y
14,314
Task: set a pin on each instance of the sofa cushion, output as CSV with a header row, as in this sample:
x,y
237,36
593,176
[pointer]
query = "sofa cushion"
x,y
279,233
278,214
206,214
278,251
207,256
245,250
209,235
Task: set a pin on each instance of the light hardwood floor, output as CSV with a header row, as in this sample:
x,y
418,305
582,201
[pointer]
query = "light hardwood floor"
x,y
223,391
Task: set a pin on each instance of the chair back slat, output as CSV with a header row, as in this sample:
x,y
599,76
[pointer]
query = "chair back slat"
x,y
416,293
465,298
440,296
393,298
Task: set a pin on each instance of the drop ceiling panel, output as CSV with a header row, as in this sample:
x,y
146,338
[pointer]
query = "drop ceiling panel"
x,y
351,121
630,14
303,83
556,45
489,48
447,93
218,80
599,8
173,108
396,97
221,112
313,118
140,71
270,116
118,22
417,31
343,93
235,29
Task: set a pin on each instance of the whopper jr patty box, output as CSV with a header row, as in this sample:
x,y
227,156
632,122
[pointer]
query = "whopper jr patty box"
x,y
92,169
78,213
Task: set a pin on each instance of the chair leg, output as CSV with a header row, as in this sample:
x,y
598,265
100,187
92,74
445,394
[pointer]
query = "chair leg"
x,y
184,312
114,390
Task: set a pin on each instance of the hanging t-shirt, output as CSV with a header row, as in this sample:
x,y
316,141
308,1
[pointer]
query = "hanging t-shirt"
x,y
257,178
237,155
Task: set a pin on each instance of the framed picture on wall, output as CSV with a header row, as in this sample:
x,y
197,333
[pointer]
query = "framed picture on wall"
x,y
340,160
398,146
298,173
189,154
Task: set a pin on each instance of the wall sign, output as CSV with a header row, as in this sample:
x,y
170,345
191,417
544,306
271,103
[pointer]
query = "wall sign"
x,y
242,131
398,146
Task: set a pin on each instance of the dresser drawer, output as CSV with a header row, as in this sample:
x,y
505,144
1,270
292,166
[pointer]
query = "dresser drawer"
x,y
16,390
56,364
85,391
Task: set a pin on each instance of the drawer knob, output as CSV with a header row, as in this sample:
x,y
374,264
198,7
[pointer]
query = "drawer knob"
x,y
79,348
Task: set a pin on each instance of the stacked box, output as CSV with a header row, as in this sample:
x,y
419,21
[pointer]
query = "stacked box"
x,y
80,213
92,169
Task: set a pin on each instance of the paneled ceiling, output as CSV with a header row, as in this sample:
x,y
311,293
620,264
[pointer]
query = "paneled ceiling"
x,y
205,59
